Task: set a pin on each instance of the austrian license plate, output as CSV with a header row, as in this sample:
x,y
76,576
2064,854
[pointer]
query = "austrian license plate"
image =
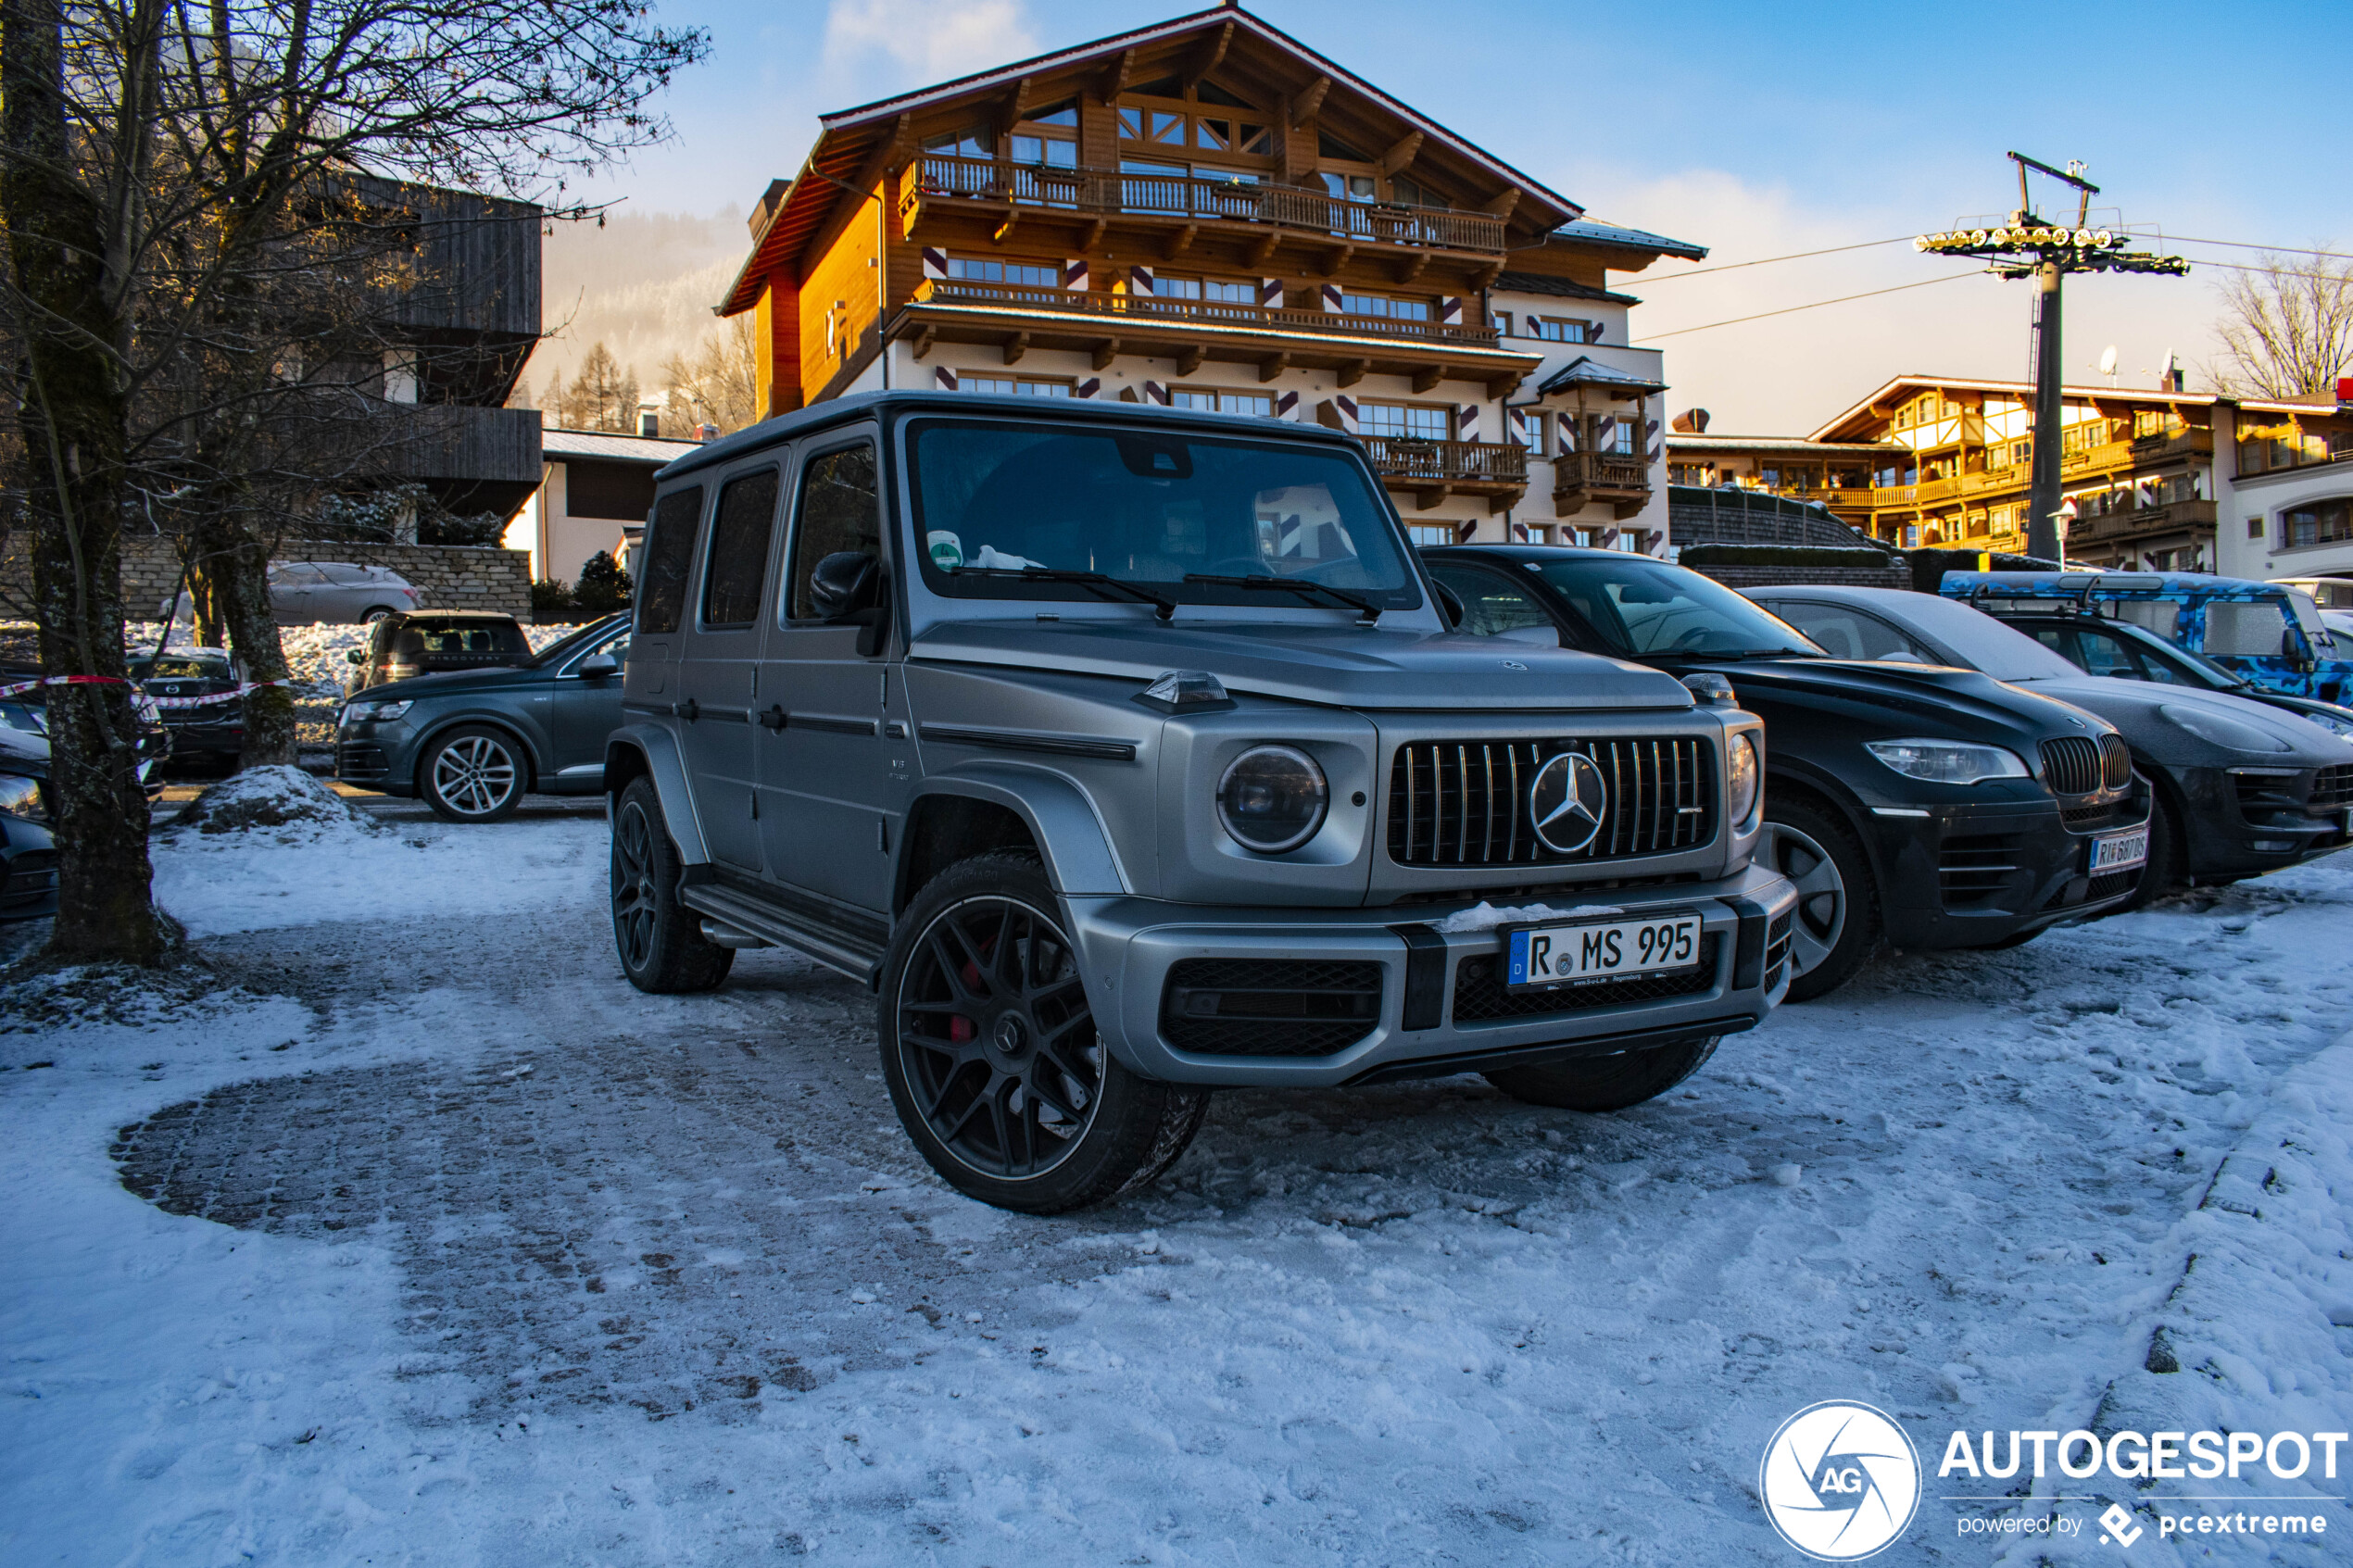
x,y
1543,956
2120,851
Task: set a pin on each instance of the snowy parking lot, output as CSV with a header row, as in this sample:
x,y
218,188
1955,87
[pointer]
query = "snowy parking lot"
x,y
399,1229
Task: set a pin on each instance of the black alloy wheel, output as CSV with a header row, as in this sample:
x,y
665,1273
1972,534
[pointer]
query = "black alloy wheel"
x,y
992,1055
659,940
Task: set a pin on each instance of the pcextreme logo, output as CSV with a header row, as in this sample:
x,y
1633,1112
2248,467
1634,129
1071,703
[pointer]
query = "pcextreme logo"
x,y
1840,1481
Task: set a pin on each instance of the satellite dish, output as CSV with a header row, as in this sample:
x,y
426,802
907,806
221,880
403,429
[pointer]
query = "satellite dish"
x,y
2107,361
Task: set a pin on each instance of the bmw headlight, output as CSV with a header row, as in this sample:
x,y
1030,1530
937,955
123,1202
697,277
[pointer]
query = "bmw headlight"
x,y
1273,798
2220,729
1948,761
1741,786
362,712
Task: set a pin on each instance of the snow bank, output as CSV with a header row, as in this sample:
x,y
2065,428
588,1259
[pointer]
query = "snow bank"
x,y
295,808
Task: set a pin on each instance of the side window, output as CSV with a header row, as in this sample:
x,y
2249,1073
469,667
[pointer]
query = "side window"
x,y
1491,604
840,509
661,597
2104,655
740,537
2246,631
1851,633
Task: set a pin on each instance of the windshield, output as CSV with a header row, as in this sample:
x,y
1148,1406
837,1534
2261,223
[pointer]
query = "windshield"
x,y
570,642
1976,638
1151,508
171,667
444,638
1643,608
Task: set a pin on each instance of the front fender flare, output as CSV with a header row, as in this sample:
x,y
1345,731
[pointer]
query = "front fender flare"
x,y
668,769
1071,837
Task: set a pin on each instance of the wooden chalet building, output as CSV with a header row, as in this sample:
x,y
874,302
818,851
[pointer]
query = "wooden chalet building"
x,y
2161,479
1206,213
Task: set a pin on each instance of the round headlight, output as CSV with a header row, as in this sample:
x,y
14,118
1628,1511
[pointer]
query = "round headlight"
x,y
1743,785
1273,798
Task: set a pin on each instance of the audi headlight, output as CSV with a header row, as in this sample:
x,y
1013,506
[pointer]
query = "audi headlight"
x,y
2220,729
1273,798
1744,787
361,712
20,796
1948,761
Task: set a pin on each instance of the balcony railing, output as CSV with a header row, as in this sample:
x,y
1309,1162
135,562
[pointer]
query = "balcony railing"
x,y
2165,519
2107,455
1192,197
2170,444
1143,310
1456,462
1601,472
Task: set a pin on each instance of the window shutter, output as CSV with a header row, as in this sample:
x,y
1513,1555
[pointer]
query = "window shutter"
x,y
1139,280
1287,405
934,263
1450,310
1156,393
1270,293
1331,296
1466,421
944,378
1074,276
1089,387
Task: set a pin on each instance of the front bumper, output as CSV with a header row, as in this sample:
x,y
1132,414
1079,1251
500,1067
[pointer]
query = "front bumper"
x,y
1969,876
2244,822
1409,1000
363,759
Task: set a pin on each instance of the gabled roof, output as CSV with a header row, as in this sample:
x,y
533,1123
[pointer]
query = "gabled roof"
x,y
856,146
1592,232
1899,389
1586,371
1693,441
1559,288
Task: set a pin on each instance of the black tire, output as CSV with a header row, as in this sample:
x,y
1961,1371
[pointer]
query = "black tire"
x,y
2161,872
474,773
1837,925
1606,1083
989,1048
374,613
659,940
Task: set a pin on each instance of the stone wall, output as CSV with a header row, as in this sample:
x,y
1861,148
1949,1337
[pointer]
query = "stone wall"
x,y
446,576
1739,577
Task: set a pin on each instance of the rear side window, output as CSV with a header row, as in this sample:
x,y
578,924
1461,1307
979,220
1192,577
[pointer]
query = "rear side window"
x,y
840,509
2246,631
739,535
662,596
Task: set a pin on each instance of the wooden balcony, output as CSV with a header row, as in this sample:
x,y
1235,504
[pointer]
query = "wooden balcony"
x,y
2195,439
1433,470
1268,341
1622,481
2107,455
1176,200
2144,524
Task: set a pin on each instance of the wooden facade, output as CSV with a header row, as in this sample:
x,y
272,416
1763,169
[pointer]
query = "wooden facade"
x,y
1207,213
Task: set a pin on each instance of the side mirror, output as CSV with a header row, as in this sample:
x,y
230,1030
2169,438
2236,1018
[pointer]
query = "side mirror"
x,y
1538,636
844,584
598,666
355,655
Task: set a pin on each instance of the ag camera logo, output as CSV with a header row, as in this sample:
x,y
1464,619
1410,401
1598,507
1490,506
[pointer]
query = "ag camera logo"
x,y
1840,1481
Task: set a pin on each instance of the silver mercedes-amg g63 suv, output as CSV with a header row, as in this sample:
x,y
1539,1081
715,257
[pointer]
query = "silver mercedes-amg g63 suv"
x,y
1127,753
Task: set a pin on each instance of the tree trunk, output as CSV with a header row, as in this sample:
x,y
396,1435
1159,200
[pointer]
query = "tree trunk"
x,y
74,411
238,568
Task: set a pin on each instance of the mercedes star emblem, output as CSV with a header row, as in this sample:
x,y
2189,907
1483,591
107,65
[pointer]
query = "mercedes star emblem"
x,y
1568,801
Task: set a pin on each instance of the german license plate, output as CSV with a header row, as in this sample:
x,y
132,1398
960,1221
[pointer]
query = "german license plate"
x,y
2120,851
1543,956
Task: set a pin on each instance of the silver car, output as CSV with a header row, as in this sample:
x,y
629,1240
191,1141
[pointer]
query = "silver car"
x,y
305,593
1127,753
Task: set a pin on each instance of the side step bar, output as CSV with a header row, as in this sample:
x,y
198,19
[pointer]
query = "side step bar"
x,y
837,950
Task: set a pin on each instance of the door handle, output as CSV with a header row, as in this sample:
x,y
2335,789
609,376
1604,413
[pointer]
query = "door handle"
x,y
773,719
689,710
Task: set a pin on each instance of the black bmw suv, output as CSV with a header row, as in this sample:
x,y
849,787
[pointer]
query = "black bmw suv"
x,y
1914,806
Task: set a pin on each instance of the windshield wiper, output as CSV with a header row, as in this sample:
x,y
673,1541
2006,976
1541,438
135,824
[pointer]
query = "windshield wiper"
x,y
1103,583
1367,612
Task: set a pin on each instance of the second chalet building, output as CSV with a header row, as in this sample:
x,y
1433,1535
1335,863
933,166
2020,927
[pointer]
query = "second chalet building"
x,y
1208,214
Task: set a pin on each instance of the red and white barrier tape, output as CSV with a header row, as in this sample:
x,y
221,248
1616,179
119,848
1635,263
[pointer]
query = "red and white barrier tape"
x,y
156,702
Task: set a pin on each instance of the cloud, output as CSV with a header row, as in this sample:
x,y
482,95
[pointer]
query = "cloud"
x,y
913,43
1785,374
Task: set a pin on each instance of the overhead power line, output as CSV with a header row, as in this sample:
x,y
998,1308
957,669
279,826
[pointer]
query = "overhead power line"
x,y
1793,310
2249,244
1766,260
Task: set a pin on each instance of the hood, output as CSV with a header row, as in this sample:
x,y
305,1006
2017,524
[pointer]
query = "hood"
x,y
21,747
2137,708
1932,691
451,681
1332,666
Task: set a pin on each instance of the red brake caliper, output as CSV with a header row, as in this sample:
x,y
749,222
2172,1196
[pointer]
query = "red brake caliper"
x,y
960,1028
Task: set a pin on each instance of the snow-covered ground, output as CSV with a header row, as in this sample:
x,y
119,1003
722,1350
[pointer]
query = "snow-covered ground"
x,y
404,1232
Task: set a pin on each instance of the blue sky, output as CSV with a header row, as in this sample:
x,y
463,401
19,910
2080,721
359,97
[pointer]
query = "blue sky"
x,y
1755,130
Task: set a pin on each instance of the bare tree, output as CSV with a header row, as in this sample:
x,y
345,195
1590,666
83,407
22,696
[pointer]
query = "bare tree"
x,y
2287,327
602,397
156,164
719,383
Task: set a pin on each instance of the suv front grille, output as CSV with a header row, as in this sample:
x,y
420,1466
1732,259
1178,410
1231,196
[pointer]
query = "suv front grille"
x,y
1269,1007
1479,995
2084,819
2332,788
1974,865
1465,803
2080,765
